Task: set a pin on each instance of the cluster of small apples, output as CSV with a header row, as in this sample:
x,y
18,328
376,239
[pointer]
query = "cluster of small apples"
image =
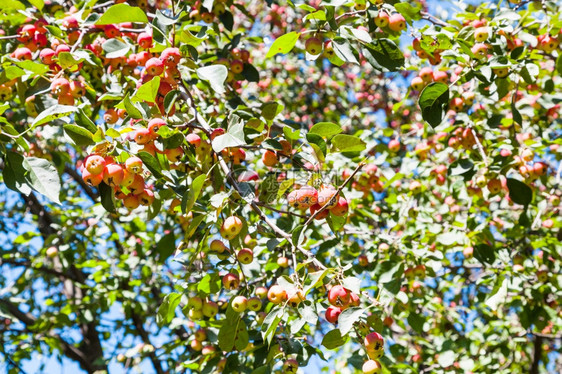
x,y
374,345
126,180
462,137
198,343
390,22
277,295
201,13
528,169
426,76
146,137
433,57
340,299
369,180
417,271
240,303
440,174
494,184
270,158
235,63
197,308
326,198
244,256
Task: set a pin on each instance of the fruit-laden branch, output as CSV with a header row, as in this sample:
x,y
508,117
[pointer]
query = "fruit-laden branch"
x,y
226,170
338,191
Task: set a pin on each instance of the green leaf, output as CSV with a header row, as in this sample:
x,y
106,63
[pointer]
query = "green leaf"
x,y
348,143
334,339
233,137
166,311
120,13
326,129
43,177
484,253
166,246
52,113
229,330
132,110
416,321
384,54
559,64
67,59
433,102
106,195
115,48
215,75
283,44
151,163
14,173
39,4
270,323
270,110
409,12
148,91
34,67
250,73
194,191
347,319
82,120
498,296
344,50
79,135
519,192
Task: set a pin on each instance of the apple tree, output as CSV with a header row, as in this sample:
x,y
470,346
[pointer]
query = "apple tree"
x,y
228,186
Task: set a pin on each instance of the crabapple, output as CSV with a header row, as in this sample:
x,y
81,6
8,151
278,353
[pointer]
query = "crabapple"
x,y
231,227
481,34
193,139
254,304
218,246
303,198
269,158
133,165
339,296
154,66
373,341
113,175
371,367
239,304
397,22
210,309
417,83
382,19
341,207
230,281
245,256
95,164
313,46
332,314
276,294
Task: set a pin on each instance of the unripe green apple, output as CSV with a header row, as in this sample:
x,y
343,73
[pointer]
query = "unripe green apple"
x,y
210,309
254,304
313,46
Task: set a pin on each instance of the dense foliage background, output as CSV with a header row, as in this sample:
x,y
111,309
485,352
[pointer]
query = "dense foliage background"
x,y
262,186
